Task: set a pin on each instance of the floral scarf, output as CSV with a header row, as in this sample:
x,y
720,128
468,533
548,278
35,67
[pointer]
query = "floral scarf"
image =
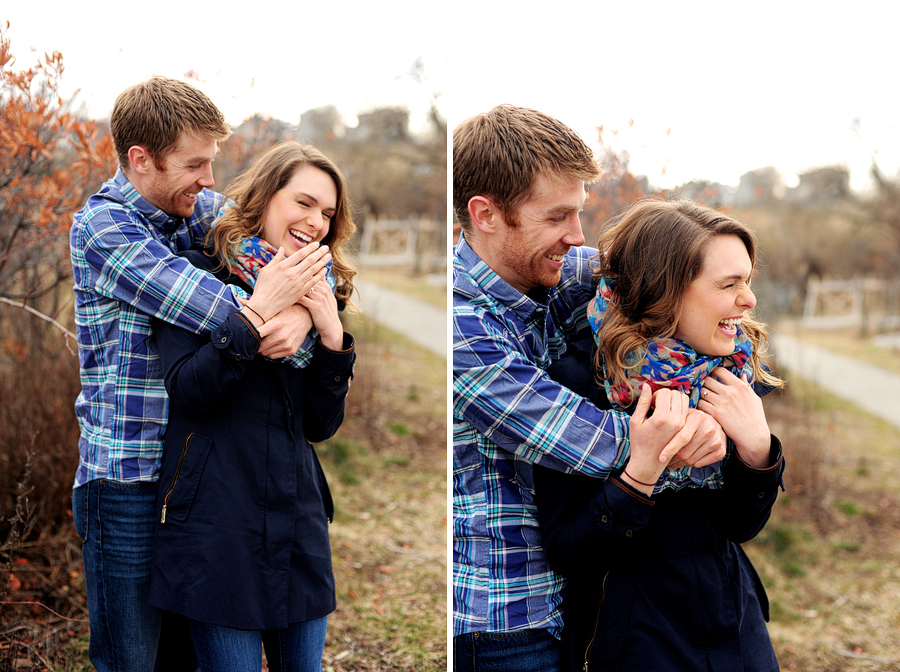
x,y
672,363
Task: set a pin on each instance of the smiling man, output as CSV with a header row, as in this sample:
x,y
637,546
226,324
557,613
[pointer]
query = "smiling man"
x,y
123,246
521,284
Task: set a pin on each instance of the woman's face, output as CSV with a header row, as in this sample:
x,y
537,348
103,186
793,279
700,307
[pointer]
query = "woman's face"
x,y
301,211
717,298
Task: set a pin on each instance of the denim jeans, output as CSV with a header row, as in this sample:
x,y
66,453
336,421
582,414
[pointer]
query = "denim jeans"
x,y
116,522
296,648
522,651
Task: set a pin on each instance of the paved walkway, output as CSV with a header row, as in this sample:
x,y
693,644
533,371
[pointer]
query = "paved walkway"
x,y
418,321
872,389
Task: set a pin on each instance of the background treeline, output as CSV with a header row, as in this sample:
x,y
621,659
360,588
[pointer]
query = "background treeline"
x,y
817,230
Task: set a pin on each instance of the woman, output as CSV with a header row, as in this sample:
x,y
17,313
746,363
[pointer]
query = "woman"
x,y
656,578
242,544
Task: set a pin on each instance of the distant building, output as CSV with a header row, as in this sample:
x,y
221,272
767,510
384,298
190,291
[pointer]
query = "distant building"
x,y
322,124
821,185
713,194
759,185
384,125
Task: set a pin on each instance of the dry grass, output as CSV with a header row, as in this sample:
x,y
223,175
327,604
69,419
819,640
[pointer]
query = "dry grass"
x,y
388,472
387,468
828,556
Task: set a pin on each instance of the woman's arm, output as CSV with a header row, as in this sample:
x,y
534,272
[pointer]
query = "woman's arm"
x,y
198,371
586,522
328,380
749,494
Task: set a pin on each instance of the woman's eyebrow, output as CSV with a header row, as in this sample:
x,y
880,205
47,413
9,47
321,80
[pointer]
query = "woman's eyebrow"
x,y
309,197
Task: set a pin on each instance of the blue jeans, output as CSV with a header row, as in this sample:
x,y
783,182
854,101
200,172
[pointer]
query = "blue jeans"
x,y
116,522
296,648
521,651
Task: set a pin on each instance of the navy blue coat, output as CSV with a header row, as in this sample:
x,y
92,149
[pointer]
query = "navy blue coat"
x,y
661,583
243,509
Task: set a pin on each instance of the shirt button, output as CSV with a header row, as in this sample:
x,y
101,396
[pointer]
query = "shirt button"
x,y
337,379
628,533
760,494
237,357
604,519
224,339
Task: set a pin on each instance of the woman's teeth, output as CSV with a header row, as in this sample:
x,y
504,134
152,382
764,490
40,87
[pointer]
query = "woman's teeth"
x,y
730,324
301,238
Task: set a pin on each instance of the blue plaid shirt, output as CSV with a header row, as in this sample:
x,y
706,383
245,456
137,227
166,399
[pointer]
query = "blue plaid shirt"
x,y
507,415
126,273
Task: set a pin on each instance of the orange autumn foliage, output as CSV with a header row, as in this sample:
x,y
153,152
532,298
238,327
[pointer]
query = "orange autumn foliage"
x,y
50,160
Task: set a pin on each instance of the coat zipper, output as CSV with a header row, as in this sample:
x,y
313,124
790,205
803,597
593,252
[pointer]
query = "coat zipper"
x,y
590,648
187,442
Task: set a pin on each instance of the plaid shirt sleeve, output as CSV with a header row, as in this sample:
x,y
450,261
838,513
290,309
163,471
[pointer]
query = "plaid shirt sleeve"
x,y
516,405
120,260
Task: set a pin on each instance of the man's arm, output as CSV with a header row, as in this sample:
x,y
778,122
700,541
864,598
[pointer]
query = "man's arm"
x,y
117,258
515,404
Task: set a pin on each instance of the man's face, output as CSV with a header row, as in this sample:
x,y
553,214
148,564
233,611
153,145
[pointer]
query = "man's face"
x,y
184,174
530,255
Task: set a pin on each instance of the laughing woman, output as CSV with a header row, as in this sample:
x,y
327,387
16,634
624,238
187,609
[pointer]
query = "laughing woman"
x,y
656,577
242,547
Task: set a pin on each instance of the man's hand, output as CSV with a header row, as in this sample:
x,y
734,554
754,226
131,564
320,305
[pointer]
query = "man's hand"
x,y
655,438
706,446
283,335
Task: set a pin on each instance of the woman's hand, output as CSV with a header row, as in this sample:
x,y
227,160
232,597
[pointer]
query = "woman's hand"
x,y
732,401
655,439
285,280
322,305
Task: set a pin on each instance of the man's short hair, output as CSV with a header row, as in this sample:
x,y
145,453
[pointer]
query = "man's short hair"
x,y
499,154
152,114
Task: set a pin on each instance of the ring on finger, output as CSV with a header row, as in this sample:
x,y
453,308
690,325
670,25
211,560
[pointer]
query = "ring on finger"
x,y
312,290
705,393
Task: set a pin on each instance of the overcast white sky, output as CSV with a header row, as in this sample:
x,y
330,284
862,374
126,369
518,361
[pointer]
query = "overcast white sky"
x,y
277,58
741,85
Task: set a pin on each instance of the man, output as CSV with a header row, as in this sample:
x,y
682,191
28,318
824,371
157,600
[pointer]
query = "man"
x,y
521,282
123,246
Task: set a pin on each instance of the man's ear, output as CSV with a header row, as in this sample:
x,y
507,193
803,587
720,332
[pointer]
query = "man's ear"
x,y
139,160
484,214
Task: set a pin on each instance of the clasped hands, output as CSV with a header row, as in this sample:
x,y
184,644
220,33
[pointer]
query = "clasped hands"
x,y
674,435
292,295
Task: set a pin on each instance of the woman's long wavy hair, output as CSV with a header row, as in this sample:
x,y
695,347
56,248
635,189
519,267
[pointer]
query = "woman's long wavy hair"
x,y
251,192
653,253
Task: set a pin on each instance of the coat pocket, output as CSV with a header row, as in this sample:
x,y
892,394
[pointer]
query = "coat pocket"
x,y
178,496
327,501
750,570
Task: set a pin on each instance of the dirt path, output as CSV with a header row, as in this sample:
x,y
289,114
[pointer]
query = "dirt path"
x,y
418,321
870,388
